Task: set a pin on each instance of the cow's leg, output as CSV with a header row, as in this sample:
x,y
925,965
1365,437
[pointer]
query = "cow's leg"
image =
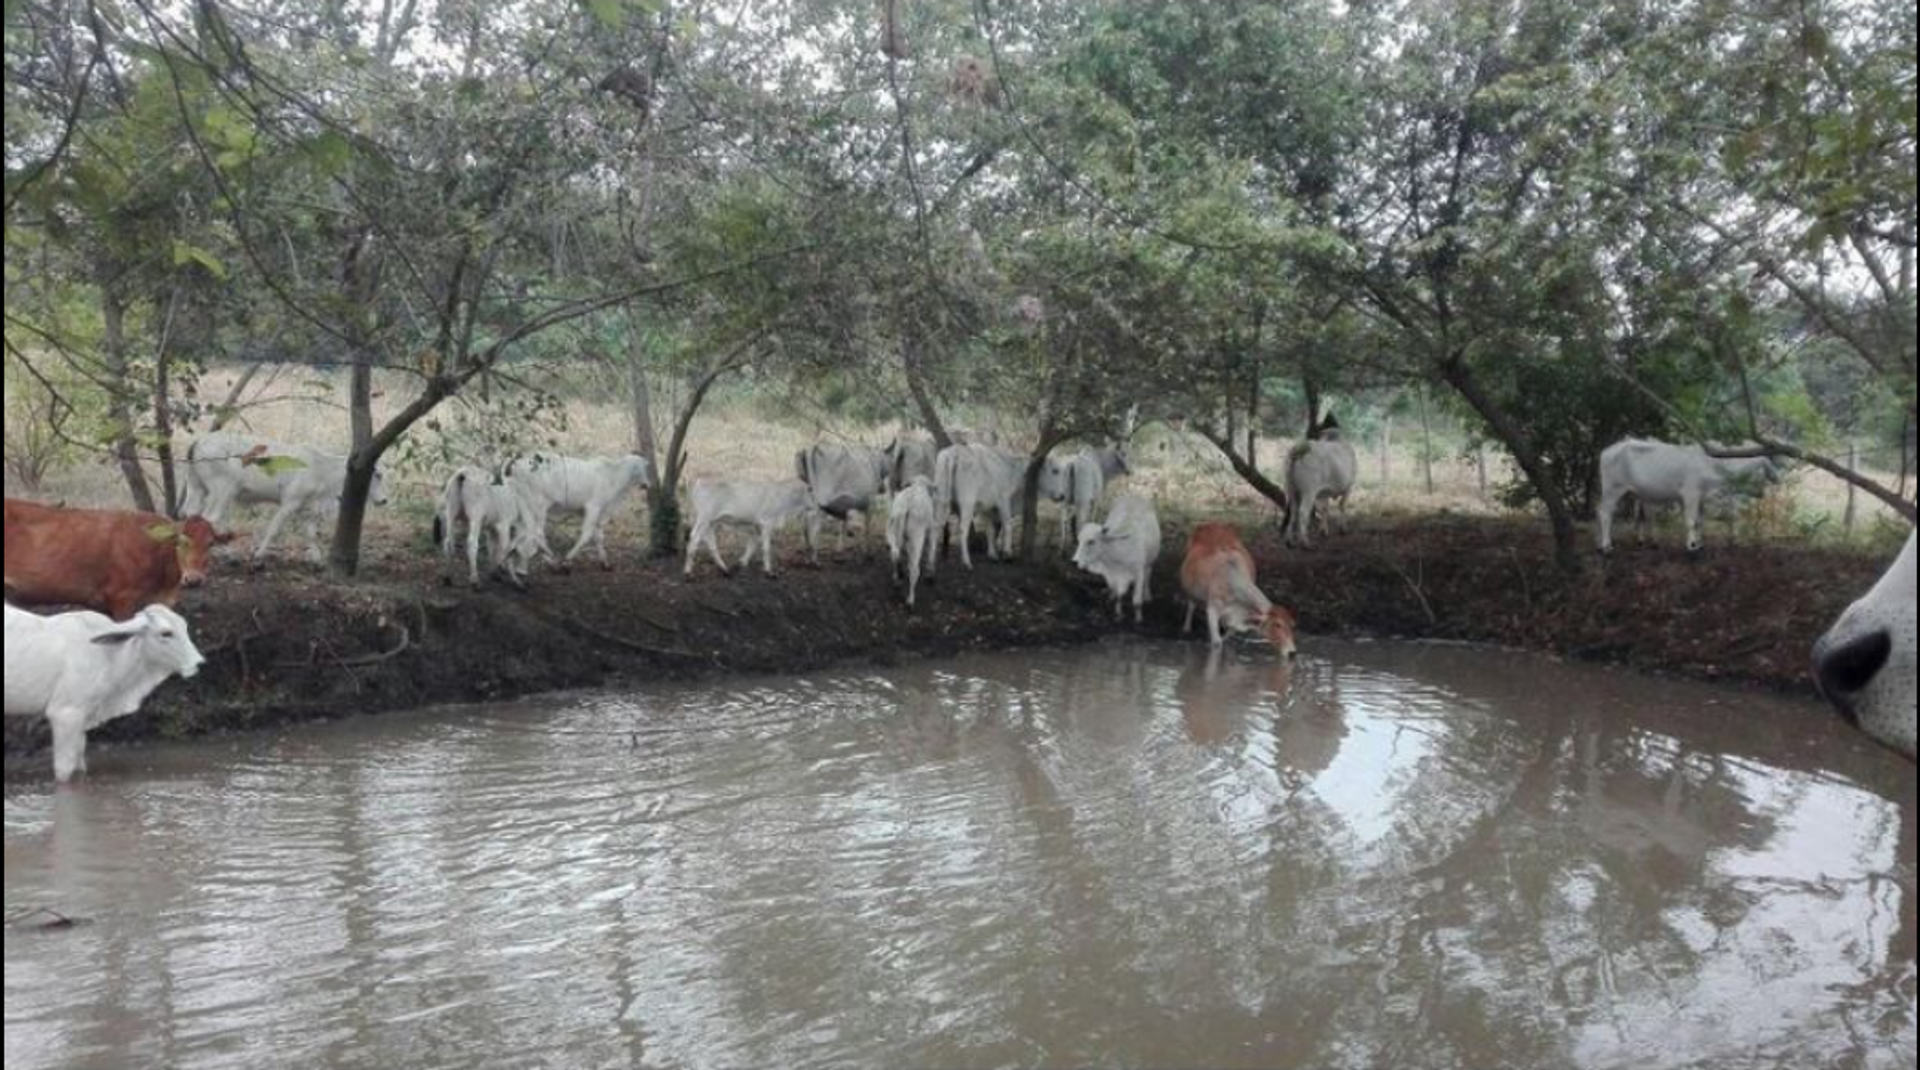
x,y
589,519
475,532
963,531
280,515
1692,504
69,742
1213,626
1141,595
703,536
766,548
1187,628
914,552
1603,518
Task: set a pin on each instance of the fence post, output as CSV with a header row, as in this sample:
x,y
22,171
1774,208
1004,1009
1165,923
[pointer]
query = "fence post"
x,y
1386,451
1480,461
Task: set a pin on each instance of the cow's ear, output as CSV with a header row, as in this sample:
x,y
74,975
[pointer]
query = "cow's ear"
x,y
118,636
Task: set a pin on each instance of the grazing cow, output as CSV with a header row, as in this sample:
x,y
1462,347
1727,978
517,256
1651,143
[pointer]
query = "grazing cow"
x,y
911,532
909,459
1122,551
1321,468
967,478
845,480
1866,664
1219,574
591,487
1661,473
765,507
226,469
493,508
110,561
81,670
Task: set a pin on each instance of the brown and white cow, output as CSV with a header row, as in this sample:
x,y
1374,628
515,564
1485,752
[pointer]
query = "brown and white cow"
x,y
1219,574
111,561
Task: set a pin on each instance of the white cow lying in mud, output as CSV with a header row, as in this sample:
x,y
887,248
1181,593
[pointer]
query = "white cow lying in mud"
x,y
1661,473
1866,664
1122,551
81,670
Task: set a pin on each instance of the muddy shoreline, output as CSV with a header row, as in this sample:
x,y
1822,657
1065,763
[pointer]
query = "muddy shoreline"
x,y
289,645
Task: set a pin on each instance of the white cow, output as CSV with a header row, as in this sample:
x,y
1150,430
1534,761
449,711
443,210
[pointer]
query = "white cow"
x,y
1325,468
765,507
1122,551
492,508
590,487
970,478
845,480
1080,483
81,670
1866,664
912,532
226,469
909,459
1661,473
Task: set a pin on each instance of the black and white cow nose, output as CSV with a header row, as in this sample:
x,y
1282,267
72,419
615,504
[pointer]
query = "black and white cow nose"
x,y
1847,668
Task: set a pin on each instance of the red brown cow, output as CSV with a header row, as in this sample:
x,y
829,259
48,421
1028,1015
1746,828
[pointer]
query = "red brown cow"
x,y
1218,574
117,563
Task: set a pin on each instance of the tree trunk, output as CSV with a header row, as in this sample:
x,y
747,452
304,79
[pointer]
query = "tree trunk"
x,y
1246,470
922,397
121,392
1426,441
1386,450
1566,534
646,442
344,557
664,536
163,430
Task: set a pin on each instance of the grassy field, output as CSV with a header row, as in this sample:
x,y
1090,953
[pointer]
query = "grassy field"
x,y
738,437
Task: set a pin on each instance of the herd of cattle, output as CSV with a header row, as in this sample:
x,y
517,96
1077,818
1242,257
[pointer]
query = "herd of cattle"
x,y
126,569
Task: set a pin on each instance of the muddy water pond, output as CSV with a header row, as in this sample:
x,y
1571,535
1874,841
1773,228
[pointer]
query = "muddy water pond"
x,y
1125,855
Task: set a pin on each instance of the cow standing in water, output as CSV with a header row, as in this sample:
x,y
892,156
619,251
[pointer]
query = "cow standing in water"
x,y
1219,574
112,561
81,670
1866,664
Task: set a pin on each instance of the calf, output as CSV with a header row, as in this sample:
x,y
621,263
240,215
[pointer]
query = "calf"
x,y
1219,574
81,670
1122,551
844,480
110,561
226,469
765,507
1661,473
1866,664
492,508
591,487
911,530
1323,468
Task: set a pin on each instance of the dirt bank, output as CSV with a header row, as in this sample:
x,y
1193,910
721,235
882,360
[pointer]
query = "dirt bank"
x,y
289,645
1747,613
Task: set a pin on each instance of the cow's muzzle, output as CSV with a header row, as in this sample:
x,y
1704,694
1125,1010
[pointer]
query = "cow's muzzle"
x,y
1846,669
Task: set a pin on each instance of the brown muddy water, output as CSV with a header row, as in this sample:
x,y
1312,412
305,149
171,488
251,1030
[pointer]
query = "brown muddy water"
x,y
1127,855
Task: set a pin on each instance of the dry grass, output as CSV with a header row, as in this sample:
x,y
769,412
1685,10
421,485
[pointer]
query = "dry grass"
x,y
1181,471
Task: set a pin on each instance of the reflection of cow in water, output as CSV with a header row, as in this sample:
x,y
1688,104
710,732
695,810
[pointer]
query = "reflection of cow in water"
x,y
1218,692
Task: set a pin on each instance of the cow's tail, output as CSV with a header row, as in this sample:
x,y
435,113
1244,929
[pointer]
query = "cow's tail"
x,y
449,514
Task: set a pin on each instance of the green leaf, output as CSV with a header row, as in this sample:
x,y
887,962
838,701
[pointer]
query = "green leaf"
x,y
184,253
609,13
276,465
165,533
331,153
